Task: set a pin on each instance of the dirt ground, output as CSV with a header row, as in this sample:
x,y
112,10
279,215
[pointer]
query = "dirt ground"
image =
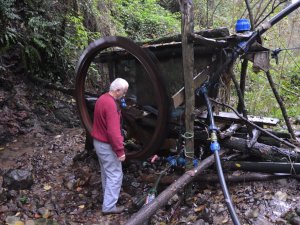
x,y
41,134
67,189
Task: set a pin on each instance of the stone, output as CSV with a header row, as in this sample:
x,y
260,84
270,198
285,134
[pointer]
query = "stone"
x,y
295,220
17,179
29,222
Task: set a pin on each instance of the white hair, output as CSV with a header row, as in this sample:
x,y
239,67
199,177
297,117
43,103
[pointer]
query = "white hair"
x,y
118,83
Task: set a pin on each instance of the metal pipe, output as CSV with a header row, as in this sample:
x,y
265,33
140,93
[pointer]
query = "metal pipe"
x,y
282,14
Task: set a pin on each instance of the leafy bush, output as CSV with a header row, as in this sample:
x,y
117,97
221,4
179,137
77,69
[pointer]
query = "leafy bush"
x,y
259,97
145,19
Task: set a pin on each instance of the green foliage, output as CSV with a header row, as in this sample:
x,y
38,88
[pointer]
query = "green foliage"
x,y
40,32
8,13
222,13
145,19
77,35
259,97
41,46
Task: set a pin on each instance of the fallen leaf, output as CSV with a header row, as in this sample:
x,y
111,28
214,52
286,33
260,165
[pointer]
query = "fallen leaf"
x,y
47,187
78,189
200,208
225,220
37,216
18,223
46,214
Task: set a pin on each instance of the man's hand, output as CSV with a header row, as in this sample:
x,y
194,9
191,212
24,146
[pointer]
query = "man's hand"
x,y
122,158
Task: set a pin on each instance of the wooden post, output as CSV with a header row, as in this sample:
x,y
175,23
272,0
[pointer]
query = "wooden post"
x,y
187,29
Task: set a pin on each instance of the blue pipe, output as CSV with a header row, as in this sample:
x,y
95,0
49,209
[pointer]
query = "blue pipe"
x,y
215,148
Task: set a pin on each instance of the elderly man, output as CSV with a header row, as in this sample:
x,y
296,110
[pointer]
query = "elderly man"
x,y
108,143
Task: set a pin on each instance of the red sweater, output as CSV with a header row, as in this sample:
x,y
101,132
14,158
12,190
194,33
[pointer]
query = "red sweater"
x,y
107,126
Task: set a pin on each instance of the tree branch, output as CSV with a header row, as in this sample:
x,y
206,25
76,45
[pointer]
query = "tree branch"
x,y
281,105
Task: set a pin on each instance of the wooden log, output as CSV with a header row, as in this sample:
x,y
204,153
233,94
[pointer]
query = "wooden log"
x,y
261,150
255,135
278,134
212,178
266,152
148,210
230,131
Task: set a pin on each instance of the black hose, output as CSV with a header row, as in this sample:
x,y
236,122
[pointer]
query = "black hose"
x,y
227,197
215,147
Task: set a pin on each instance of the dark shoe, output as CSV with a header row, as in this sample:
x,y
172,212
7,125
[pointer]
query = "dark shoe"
x,y
116,210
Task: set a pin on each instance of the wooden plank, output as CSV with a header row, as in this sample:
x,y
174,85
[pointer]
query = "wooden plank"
x,y
178,97
232,117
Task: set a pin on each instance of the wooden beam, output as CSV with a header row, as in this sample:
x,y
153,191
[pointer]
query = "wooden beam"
x,y
232,117
188,71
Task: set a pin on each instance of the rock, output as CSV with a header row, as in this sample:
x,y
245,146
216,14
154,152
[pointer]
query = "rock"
x,y
29,222
19,223
17,179
252,213
13,220
297,120
43,221
281,196
295,220
135,184
297,210
1,189
69,181
63,114
44,212
200,222
261,220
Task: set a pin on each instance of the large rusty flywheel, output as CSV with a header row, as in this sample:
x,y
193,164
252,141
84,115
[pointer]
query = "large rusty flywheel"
x,y
145,129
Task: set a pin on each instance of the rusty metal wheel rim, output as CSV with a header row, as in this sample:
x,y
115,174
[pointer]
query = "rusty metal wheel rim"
x,y
152,71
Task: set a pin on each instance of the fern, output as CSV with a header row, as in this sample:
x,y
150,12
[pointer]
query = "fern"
x,y
8,34
7,10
